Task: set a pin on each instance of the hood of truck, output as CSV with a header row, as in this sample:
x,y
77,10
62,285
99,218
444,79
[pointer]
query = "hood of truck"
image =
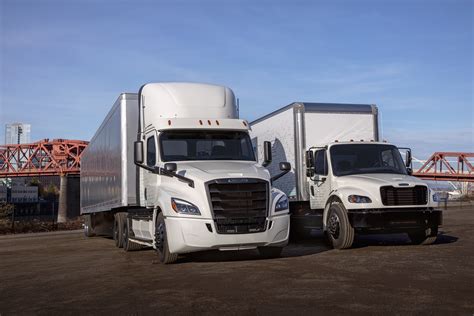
x,y
381,179
215,169
369,185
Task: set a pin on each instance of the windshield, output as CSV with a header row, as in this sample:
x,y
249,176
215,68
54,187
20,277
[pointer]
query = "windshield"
x,y
205,145
358,159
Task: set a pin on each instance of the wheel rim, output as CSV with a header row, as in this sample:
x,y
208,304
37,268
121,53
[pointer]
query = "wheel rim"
x,y
334,225
160,236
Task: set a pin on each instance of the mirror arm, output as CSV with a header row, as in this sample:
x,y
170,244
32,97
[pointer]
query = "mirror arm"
x,y
162,171
278,176
190,182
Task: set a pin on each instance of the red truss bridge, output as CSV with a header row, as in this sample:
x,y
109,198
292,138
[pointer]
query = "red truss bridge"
x,y
43,158
448,166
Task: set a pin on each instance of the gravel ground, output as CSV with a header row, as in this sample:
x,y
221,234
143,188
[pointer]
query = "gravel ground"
x,y
66,273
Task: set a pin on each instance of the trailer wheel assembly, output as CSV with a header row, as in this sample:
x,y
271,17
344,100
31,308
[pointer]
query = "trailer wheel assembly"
x,y
161,242
339,231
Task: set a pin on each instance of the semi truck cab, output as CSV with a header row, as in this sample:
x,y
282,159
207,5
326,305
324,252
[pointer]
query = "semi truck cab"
x,y
173,168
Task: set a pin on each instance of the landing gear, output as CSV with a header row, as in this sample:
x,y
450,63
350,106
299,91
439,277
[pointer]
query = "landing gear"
x,y
88,228
118,229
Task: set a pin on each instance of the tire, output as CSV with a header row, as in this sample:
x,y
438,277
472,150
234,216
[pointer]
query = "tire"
x,y
424,237
161,242
88,229
339,231
118,230
128,245
270,252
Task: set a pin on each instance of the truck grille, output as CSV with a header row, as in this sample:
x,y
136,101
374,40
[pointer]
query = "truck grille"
x,y
239,205
404,196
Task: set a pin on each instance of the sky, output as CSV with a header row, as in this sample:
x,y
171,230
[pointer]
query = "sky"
x,y
63,63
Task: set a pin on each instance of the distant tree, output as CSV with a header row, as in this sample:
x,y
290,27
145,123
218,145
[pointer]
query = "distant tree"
x,y
35,182
51,192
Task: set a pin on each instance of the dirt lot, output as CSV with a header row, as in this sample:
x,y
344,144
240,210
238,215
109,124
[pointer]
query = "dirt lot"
x,y
55,273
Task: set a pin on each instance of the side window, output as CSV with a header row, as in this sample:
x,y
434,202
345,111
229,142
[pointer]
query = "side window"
x,y
150,151
320,163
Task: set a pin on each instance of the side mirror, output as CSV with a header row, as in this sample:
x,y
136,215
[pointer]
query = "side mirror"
x,y
138,152
267,153
408,158
309,159
170,167
309,163
285,166
409,171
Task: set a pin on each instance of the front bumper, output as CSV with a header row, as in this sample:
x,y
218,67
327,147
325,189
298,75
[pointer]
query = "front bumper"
x,y
394,219
192,234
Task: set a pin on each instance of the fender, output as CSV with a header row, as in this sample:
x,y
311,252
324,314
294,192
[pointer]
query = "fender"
x,y
340,195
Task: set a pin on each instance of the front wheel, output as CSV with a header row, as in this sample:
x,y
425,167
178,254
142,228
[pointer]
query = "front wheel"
x,y
161,242
424,237
340,233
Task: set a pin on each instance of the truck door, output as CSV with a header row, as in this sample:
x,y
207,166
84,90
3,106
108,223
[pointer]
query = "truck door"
x,y
319,186
149,178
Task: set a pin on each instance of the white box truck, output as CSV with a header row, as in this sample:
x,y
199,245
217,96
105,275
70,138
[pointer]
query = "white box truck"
x,y
173,168
344,180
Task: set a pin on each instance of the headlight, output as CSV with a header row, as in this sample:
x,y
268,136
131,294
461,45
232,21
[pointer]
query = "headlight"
x,y
282,204
184,207
359,199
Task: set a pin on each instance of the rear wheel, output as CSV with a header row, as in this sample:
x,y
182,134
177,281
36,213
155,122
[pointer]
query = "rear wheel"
x,y
88,228
161,242
270,252
424,237
339,231
128,245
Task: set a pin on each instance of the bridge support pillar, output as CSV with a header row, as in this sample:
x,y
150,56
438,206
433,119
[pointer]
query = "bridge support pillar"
x,y
69,198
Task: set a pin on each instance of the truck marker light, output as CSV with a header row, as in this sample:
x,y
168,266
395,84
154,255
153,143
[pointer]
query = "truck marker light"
x,y
217,122
352,140
169,122
200,122
209,122
245,123
361,140
336,141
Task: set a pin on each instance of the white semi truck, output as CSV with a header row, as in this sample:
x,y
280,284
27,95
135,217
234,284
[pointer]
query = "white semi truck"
x,y
344,180
173,168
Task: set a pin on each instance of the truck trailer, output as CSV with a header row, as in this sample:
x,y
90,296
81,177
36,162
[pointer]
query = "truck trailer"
x,y
172,167
344,180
